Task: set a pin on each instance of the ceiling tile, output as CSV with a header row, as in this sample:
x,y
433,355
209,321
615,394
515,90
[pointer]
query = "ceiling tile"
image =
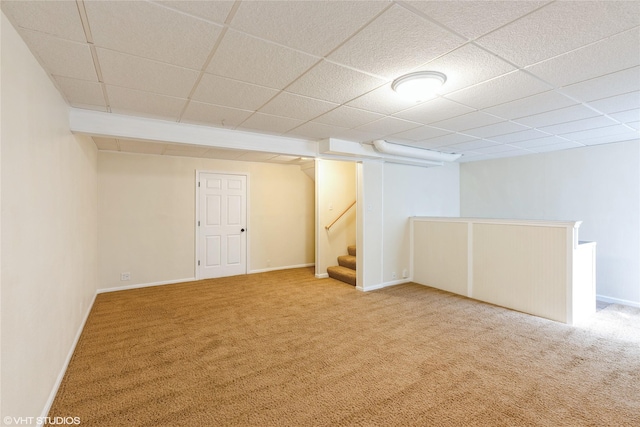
x,y
506,88
316,131
334,83
91,107
447,140
184,150
61,57
539,142
605,86
420,133
334,61
347,117
81,92
254,156
270,124
215,11
232,93
315,27
272,65
472,145
296,107
589,21
627,116
578,125
607,56
467,66
346,83
629,135
138,103
382,100
388,126
151,31
524,135
223,154
467,121
475,18
133,72
55,18
500,148
433,111
615,104
496,129
395,43
214,115
508,154
539,103
106,144
561,115
142,147
602,132
557,147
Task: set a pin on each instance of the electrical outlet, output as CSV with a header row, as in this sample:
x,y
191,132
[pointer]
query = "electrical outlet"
x,y
405,273
394,275
125,276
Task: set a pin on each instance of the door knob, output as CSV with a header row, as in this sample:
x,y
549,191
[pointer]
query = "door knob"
x,y
242,230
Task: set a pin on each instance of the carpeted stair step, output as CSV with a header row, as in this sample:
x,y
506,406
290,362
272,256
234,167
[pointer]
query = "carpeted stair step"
x,y
344,274
348,261
351,250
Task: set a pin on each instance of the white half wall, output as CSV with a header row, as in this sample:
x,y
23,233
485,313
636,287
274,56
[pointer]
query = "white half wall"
x,y
599,185
147,216
49,232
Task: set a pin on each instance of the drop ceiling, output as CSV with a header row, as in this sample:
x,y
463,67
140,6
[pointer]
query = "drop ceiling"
x,y
522,76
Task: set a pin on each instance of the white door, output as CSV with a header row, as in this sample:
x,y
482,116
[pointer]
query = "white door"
x,y
221,225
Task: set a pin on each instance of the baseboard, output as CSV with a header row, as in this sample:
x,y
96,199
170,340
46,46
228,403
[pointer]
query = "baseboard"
x,y
289,267
65,365
145,285
617,301
383,285
322,276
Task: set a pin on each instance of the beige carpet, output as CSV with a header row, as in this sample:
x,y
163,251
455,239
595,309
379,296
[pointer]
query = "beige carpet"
x,y
286,349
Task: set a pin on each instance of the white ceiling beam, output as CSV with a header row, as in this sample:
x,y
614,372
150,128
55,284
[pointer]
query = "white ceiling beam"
x,y
109,125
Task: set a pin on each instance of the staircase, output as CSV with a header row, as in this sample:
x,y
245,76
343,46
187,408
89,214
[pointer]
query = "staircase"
x,y
346,270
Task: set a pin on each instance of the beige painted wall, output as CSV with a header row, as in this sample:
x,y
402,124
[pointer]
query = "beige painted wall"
x,y
49,231
147,213
336,187
413,191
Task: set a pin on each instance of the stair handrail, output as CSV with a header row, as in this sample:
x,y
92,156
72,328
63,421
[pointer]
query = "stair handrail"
x,y
327,227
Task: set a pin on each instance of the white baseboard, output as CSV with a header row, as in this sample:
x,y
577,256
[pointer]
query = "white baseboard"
x,y
384,285
65,365
288,267
145,285
322,276
617,301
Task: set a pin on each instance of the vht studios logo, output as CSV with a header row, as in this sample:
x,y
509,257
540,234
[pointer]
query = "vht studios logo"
x,y
9,421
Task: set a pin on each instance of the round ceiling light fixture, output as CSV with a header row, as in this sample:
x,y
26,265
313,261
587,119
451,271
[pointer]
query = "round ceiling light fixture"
x,y
418,86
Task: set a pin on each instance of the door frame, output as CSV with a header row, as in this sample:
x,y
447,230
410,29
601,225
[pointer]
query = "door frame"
x,y
197,216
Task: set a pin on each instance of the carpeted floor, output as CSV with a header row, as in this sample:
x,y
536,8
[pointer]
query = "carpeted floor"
x,y
286,349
